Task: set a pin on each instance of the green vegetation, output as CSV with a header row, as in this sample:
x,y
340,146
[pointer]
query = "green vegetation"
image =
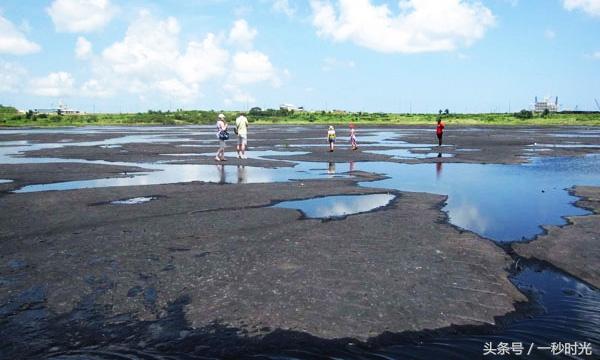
x,y
9,116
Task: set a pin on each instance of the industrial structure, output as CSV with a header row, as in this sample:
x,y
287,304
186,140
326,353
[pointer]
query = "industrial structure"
x,y
61,110
546,104
290,107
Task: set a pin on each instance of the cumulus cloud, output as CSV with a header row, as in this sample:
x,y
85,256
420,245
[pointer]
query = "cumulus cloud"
x,y
13,41
148,50
83,48
55,84
591,7
284,7
237,95
416,26
203,60
80,15
596,55
95,88
250,67
11,77
241,34
151,58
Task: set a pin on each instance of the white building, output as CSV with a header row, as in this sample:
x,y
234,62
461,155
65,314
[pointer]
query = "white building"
x,y
62,110
290,107
546,104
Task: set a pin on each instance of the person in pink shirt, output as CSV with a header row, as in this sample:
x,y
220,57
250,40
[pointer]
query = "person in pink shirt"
x,y
353,137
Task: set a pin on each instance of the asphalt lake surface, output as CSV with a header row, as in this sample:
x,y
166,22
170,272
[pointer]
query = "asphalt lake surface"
x,y
503,203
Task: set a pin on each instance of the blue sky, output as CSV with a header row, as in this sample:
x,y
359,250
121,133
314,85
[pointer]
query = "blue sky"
x,y
358,55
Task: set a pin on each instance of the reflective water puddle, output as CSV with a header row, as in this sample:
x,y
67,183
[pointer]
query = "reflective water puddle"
x,y
254,154
4,181
134,201
337,206
181,173
565,146
500,202
407,154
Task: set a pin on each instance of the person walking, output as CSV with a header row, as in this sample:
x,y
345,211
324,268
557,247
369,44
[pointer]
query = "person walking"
x,y
222,135
353,137
241,129
439,131
331,138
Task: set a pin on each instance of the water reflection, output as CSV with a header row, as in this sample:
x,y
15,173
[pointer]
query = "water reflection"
x,y
222,174
501,202
241,174
134,201
408,154
438,169
167,173
337,206
331,168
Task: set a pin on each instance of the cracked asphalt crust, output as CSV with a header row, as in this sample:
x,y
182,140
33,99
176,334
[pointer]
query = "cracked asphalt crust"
x,y
401,268
575,247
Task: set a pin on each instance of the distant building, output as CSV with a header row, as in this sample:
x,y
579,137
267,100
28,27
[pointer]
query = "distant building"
x,y
45,111
61,110
290,107
546,104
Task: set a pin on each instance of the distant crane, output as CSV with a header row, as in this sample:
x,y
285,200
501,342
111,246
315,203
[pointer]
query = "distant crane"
x,y
597,104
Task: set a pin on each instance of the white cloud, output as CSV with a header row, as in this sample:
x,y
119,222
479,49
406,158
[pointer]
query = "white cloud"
x,y
13,41
95,88
203,61
55,85
81,15
284,7
151,59
596,55
251,67
178,89
83,48
418,26
241,34
331,63
148,50
591,7
11,77
237,95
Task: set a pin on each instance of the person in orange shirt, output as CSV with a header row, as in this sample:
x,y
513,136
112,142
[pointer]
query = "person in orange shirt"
x,y
439,131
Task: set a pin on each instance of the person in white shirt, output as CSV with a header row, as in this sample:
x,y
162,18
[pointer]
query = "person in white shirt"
x,y
241,125
331,138
222,135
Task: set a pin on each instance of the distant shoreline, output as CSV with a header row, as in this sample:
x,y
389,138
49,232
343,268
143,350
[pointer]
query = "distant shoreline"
x,y
271,117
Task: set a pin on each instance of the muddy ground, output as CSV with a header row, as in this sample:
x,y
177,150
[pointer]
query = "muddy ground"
x,y
226,260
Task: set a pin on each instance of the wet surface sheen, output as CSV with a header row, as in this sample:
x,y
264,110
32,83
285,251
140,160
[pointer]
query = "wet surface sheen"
x,y
338,206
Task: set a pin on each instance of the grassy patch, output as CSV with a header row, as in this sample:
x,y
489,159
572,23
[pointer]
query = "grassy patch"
x,y
10,117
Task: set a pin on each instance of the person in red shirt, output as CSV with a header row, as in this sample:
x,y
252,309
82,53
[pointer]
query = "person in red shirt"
x,y
439,131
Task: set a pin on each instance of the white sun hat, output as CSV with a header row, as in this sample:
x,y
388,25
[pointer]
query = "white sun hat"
x,y
221,116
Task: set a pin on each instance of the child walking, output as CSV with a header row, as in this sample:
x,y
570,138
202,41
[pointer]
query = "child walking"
x,y
353,137
331,138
